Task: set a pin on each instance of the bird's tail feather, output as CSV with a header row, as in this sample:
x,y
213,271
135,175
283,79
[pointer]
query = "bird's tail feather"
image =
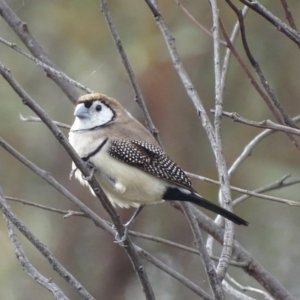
x,y
181,194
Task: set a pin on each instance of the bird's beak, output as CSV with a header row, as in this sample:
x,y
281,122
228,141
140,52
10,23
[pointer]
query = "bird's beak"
x,y
81,111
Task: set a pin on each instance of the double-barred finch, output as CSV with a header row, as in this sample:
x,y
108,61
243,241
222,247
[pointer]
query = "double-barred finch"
x,y
130,166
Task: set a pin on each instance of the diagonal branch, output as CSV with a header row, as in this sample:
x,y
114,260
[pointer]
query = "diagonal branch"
x,y
129,247
291,33
22,31
49,69
29,268
138,94
271,101
56,265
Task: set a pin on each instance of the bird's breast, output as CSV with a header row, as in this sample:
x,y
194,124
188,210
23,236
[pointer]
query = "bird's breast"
x,y
125,183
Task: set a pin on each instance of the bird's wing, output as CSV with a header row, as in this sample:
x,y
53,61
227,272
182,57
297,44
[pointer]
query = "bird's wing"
x,y
149,158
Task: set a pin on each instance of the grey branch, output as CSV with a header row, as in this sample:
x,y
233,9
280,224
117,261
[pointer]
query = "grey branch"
x,y
22,31
251,193
214,281
129,247
25,263
56,265
192,286
262,124
138,94
35,119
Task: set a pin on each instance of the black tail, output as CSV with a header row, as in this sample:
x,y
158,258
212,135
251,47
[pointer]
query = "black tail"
x,y
182,194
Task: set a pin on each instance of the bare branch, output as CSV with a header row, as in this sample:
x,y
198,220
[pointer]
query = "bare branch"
x,y
251,145
138,94
129,247
234,292
69,213
56,265
48,208
35,119
288,14
225,194
50,70
271,101
262,124
249,288
192,286
202,27
254,268
248,192
229,53
281,183
291,33
22,31
29,268
214,281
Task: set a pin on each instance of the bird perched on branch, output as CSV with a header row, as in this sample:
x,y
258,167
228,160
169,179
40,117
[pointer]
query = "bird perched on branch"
x,y
130,165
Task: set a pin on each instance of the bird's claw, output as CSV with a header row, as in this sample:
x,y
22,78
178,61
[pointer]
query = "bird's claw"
x,y
120,240
92,169
72,173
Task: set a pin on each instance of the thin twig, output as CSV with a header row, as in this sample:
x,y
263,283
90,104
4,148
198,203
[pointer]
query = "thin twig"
x,y
281,183
254,268
248,192
50,69
202,27
249,288
252,144
22,31
138,94
234,292
262,124
36,119
26,264
288,14
48,208
192,286
214,281
272,102
228,53
56,265
69,213
129,247
291,33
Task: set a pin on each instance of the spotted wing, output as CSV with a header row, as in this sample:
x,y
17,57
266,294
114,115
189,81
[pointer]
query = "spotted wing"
x,y
150,159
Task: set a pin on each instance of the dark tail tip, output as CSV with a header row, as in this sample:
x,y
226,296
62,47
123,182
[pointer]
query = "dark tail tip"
x,y
180,194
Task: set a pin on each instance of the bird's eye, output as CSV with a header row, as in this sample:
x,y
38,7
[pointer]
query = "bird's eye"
x,y
98,107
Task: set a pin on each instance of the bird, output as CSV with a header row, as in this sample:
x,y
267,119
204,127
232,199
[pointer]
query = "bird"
x,y
130,166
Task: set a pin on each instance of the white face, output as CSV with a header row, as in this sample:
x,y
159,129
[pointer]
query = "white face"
x,y
91,115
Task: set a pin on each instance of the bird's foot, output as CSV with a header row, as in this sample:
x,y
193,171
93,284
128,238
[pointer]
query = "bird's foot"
x,y
120,240
72,173
92,170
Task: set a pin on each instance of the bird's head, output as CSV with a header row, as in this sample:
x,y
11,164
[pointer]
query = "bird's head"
x,y
95,111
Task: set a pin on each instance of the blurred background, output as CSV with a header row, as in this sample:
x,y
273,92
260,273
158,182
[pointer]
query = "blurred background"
x,y
76,38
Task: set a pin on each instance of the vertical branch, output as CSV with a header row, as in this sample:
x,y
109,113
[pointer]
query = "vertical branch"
x,y
213,277
138,94
221,163
228,53
271,101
